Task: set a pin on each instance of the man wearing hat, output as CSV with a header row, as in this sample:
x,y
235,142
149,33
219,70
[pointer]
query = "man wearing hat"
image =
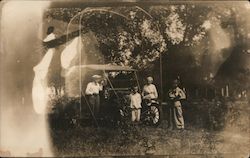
x,y
92,90
175,95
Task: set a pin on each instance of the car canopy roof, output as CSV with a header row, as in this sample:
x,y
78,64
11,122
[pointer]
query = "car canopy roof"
x,y
105,67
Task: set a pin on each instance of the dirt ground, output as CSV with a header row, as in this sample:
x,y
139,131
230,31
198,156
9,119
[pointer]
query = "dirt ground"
x,y
144,140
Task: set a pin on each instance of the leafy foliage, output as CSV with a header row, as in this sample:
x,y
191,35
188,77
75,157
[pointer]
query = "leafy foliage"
x,y
186,36
132,36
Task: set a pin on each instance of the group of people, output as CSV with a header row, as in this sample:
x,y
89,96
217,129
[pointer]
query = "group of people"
x,y
149,92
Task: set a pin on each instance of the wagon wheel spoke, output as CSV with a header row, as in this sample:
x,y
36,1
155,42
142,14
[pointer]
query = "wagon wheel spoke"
x,y
156,111
155,120
155,115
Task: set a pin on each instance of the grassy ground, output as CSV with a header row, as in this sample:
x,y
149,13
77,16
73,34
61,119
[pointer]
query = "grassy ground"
x,y
211,128
144,140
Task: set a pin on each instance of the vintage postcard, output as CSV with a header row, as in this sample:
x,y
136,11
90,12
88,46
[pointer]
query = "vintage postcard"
x,y
125,78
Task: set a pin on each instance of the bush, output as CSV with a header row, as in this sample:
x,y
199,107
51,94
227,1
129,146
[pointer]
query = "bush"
x,y
216,114
64,112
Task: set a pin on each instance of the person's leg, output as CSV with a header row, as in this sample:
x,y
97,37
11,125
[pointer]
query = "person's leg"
x,y
133,115
178,117
138,115
91,100
97,105
171,118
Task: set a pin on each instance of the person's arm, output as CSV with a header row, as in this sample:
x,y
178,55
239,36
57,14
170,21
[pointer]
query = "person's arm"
x,y
139,99
144,93
171,95
182,94
88,90
100,87
155,92
131,101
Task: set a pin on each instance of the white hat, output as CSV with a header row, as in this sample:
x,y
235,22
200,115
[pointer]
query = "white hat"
x,y
96,76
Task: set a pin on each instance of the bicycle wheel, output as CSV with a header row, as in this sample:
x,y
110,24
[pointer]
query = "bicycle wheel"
x,y
154,115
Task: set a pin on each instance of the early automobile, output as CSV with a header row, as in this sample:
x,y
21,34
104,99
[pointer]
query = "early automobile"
x,y
114,98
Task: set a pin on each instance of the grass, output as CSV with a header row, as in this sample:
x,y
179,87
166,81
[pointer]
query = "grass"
x,y
211,128
142,140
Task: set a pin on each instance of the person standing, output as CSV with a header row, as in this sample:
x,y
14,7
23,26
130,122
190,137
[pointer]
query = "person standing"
x,y
135,104
149,90
175,95
92,91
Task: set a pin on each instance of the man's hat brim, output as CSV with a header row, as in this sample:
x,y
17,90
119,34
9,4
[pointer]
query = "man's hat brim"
x,y
96,76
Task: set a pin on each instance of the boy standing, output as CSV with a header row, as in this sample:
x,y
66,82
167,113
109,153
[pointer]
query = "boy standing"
x,y
135,104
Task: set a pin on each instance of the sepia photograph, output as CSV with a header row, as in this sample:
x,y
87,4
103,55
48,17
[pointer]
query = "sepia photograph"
x,y
125,78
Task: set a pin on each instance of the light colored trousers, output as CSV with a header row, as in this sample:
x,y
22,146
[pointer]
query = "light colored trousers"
x,y
176,117
136,114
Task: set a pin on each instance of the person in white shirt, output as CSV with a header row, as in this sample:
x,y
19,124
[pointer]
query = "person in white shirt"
x,y
92,91
135,104
176,95
149,90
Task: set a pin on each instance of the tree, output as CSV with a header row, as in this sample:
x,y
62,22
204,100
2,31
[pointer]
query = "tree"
x,y
183,34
